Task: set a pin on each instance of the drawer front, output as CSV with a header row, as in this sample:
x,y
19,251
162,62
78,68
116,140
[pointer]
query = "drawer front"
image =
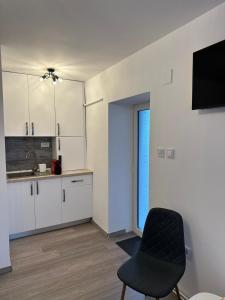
x,y
77,180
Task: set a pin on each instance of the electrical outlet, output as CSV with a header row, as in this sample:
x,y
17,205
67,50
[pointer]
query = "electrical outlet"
x,y
188,252
170,153
45,144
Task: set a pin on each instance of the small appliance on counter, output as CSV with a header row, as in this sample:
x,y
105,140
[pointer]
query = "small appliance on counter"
x,y
42,168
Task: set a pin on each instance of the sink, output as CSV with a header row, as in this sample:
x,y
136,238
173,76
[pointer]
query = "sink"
x,y
27,174
20,174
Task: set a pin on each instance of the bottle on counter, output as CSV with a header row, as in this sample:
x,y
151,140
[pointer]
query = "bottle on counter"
x,y
58,166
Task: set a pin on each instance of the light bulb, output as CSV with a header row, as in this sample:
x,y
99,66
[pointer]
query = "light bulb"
x,y
41,78
60,79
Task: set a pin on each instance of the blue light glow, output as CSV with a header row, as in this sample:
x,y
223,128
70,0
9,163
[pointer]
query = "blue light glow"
x,y
143,166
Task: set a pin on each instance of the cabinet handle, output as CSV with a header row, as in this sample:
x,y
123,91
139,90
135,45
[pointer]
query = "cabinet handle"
x,y
27,128
64,195
58,126
31,189
59,145
32,128
37,186
79,180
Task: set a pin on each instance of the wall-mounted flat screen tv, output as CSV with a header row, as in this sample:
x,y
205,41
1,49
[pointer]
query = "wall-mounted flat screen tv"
x,y
209,77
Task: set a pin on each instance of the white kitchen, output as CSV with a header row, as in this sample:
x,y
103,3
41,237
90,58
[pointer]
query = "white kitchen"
x,y
39,114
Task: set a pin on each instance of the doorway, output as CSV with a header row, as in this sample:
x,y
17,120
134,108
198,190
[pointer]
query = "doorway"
x,y
122,185
141,205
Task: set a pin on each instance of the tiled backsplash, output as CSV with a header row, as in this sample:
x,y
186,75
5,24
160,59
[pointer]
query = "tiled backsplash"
x,y
22,153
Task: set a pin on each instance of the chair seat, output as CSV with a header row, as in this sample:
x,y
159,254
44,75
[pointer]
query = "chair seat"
x,y
150,276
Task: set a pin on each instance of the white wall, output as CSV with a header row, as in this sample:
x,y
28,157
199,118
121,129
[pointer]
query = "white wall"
x,y
96,126
193,183
120,138
4,227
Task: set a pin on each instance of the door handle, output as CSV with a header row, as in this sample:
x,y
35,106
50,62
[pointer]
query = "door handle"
x,y
64,195
27,128
58,126
79,180
31,189
59,145
37,186
32,128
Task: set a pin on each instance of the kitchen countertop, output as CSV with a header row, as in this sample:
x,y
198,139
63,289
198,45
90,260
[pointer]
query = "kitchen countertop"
x,y
49,176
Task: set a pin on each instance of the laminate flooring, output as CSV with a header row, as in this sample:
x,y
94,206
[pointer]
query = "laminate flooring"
x,y
76,263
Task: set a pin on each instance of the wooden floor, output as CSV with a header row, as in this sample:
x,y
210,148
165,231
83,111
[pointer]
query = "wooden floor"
x,y
77,263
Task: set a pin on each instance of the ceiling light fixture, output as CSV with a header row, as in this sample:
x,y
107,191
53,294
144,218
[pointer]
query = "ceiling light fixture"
x,y
51,74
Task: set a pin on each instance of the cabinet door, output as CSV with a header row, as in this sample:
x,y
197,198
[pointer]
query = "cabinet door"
x,y
41,107
21,206
15,97
48,203
69,108
72,150
77,201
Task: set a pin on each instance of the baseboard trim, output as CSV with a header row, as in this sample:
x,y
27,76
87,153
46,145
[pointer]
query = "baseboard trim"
x,y
106,234
182,295
100,228
116,233
5,270
47,229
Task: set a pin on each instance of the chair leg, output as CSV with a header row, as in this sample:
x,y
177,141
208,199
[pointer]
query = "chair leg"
x,y
123,292
177,292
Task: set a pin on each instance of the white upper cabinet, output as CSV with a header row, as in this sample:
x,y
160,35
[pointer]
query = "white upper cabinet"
x,y
69,108
34,108
41,106
72,150
15,96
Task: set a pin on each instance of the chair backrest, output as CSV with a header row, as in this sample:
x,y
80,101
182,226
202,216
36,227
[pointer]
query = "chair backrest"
x,y
163,236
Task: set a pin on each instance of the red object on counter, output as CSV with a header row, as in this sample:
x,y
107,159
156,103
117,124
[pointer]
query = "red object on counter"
x,y
53,165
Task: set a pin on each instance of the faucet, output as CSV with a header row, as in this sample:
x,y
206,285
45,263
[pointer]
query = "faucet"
x,y
28,155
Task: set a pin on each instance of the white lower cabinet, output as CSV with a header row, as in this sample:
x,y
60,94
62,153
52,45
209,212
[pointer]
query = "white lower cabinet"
x,y
44,203
77,198
48,203
21,206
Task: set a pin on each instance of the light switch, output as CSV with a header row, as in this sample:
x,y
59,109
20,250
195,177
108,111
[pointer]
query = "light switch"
x,y
170,153
161,153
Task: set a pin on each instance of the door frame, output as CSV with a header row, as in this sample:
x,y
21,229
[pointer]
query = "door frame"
x,y
136,108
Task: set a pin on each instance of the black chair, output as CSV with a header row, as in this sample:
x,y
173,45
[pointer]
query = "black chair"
x,y
159,264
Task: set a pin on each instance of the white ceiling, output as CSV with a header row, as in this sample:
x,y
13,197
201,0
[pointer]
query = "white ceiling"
x,y
80,38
